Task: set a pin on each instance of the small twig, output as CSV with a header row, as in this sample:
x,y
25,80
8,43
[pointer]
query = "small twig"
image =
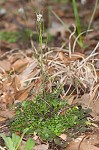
x,y
92,17
71,35
8,52
86,136
92,54
78,38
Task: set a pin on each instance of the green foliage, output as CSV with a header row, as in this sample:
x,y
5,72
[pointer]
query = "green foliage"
x,y
13,37
15,142
25,34
44,116
78,24
10,36
29,144
62,1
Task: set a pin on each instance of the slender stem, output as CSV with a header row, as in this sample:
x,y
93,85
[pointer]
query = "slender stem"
x,y
40,41
92,17
78,24
41,61
62,22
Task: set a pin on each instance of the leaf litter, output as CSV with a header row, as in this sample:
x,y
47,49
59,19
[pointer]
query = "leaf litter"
x,y
75,71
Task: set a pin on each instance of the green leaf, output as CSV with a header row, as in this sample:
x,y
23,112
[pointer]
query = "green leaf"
x,y
20,140
78,24
8,142
29,144
15,140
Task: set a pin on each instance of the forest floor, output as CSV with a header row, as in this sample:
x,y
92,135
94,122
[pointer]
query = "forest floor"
x,y
55,58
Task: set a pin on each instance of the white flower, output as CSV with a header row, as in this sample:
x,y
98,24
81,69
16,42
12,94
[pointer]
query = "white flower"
x,y
21,10
39,17
83,2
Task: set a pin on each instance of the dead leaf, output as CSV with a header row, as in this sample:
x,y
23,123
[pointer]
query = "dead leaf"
x,y
7,114
17,82
41,147
84,143
20,65
74,56
64,58
5,65
57,29
2,119
13,58
22,94
91,102
7,94
27,72
84,100
69,98
63,137
5,46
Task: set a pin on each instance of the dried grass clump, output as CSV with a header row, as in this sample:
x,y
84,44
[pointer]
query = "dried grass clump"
x,y
71,72
61,68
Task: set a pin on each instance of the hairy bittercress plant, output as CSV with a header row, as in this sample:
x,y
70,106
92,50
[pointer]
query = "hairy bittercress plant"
x,y
48,116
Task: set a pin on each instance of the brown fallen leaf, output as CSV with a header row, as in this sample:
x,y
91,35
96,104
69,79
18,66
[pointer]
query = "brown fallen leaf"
x,y
7,114
8,92
23,94
5,65
17,82
70,99
91,102
74,56
2,119
63,137
64,58
20,65
83,143
57,29
5,46
26,73
41,147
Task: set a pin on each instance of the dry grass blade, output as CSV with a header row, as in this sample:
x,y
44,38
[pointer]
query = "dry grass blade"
x,y
91,55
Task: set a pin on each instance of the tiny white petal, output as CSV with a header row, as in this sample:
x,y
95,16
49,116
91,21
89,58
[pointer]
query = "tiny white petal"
x,y
21,10
83,2
39,17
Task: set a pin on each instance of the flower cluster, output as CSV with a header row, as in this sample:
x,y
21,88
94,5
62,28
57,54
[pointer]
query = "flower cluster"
x,y
39,17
